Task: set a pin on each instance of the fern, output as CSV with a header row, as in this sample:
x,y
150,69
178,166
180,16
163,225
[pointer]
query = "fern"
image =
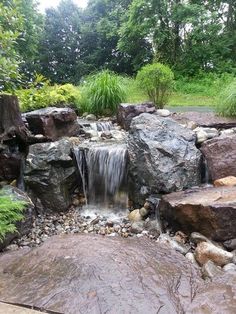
x,y
11,211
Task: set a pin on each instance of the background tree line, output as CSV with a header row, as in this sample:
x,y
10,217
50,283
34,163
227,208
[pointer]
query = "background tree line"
x,y
68,43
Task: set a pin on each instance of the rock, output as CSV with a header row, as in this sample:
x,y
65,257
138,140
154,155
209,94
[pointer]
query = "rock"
x,y
137,227
201,136
79,279
209,252
163,157
190,256
205,119
143,212
227,181
50,174
153,227
135,215
163,112
228,132
126,112
231,267
220,154
172,243
24,226
197,237
91,117
230,244
53,122
210,270
10,163
208,210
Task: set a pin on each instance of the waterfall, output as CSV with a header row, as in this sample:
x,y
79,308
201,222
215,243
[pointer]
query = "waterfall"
x,y
103,173
102,126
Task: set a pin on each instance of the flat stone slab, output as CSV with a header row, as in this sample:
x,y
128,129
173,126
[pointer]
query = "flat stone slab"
x,y
210,211
87,274
205,119
13,309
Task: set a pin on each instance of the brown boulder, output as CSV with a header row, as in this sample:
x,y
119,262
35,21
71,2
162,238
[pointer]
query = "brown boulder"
x,y
205,119
210,211
126,112
95,274
227,181
53,122
220,154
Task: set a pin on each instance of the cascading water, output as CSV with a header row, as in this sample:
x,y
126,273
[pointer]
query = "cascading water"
x,y
103,173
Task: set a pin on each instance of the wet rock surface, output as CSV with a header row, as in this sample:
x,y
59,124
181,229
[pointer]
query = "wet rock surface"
x,y
163,157
24,226
10,163
126,112
93,274
50,174
220,154
210,211
52,122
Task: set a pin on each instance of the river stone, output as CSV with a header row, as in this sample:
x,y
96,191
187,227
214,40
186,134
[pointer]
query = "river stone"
x,y
126,112
163,157
230,244
227,181
53,122
117,276
211,270
24,226
208,210
206,251
135,216
50,174
220,154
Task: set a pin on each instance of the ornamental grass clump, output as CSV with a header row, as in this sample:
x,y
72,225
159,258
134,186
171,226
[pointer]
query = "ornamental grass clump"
x,y
156,80
226,104
11,211
102,93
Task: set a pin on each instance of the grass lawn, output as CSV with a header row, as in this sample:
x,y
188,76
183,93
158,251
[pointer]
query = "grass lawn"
x,y
180,99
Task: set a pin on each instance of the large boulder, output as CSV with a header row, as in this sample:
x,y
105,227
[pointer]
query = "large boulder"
x,y
50,174
24,226
205,119
117,276
210,211
126,112
163,157
53,122
220,155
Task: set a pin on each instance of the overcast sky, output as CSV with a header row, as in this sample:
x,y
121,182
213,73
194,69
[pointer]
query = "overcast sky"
x,y
44,4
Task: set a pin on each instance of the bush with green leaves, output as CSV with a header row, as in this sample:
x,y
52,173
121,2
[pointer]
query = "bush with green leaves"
x,y
102,93
40,94
156,80
11,211
226,104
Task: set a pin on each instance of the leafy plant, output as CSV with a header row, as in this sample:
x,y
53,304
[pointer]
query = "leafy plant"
x,y
102,93
157,81
10,213
226,105
40,94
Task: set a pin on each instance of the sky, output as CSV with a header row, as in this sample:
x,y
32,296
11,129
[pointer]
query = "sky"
x,y
44,4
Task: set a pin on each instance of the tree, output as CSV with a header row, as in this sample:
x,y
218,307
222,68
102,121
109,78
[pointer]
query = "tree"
x,y
60,44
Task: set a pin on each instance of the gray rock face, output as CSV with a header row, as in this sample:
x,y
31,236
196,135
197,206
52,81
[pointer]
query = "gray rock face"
x,y
50,174
163,157
24,226
220,154
53,122
126,112
10,163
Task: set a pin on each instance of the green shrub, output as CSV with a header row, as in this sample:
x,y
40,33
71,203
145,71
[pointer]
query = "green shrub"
x,y
40,94
10,213
157,81
102,93
226,105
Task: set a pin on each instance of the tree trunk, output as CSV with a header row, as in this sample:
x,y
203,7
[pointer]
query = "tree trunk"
x,y
11,123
